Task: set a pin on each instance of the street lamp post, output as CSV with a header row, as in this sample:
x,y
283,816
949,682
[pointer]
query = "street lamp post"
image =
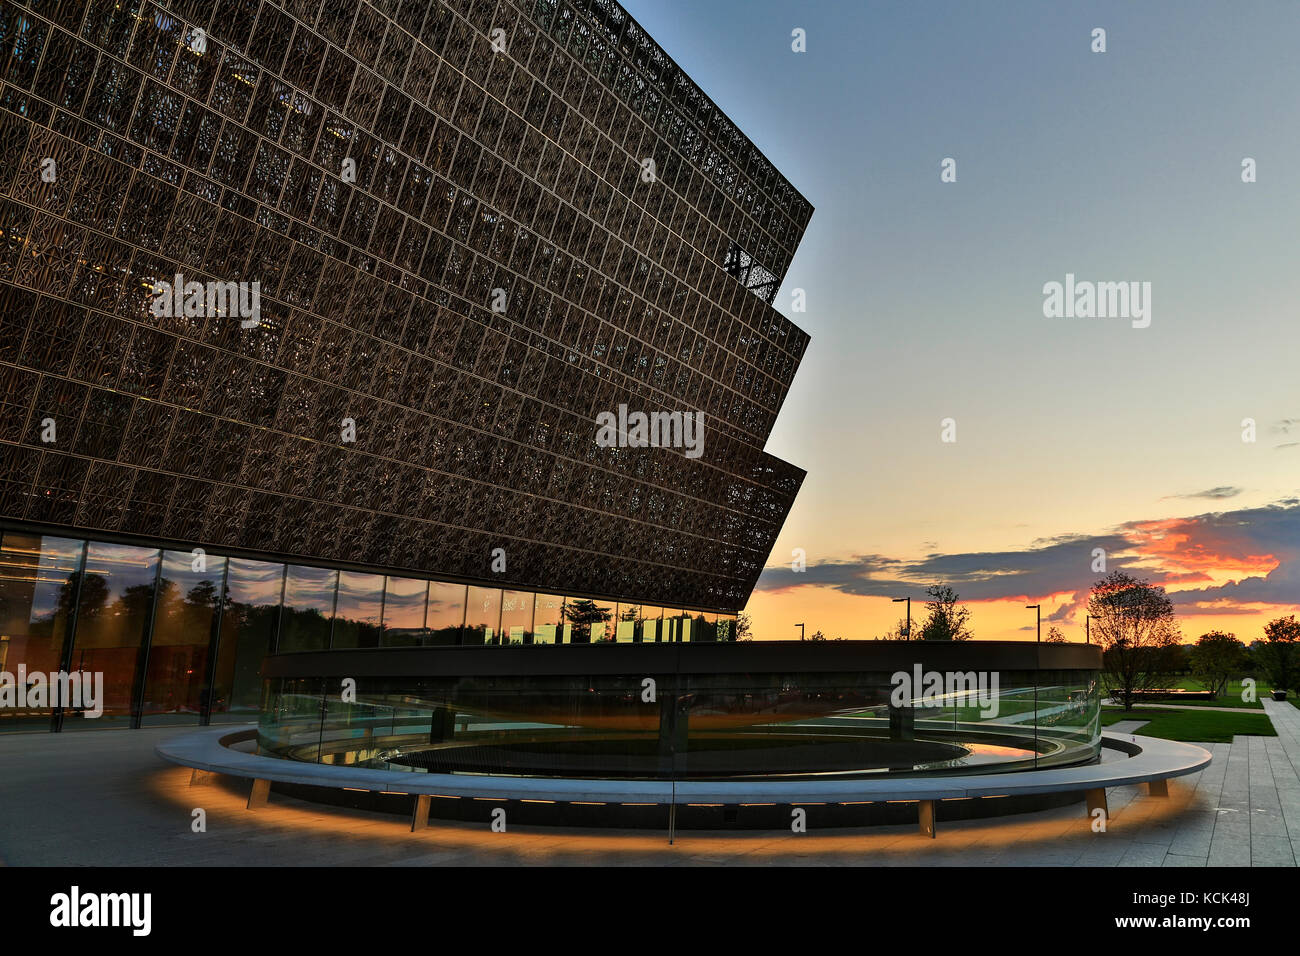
x,y
800,626
902,720
908,599
1038,616
1087,629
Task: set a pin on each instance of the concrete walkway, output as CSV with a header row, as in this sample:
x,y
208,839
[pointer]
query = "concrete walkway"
x,y
1223,710
1126,726
104,798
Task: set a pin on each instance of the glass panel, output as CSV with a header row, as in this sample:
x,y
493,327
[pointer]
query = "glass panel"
x,y
677,626
348,730
183,629
625,623
38,578
290,722
1068,716
517,617
704,626
308,609
482,615
248,625
360,606
648,625
404,604
549,624
726,627
113,614
592,620
446,612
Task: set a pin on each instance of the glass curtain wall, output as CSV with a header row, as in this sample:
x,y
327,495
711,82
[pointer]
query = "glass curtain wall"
x,y
649,624
405,602
517,617
704,626
446,612
592,621
625,623
483,616
114,609
308,611
637,623
180,636
549,623
39,580
249,620
359,610
184,632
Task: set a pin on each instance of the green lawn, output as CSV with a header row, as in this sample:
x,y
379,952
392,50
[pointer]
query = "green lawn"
x,y
1191,724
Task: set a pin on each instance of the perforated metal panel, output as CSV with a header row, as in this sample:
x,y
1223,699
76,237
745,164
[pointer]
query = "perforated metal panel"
x,y
518,167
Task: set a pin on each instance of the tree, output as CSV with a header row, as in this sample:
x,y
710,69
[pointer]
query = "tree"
x,y
1217,658
744,627
896,633
583,613
94,596
1054,635
1133,621
817,636
202,595
1180,658
136,603
1279,654
947,621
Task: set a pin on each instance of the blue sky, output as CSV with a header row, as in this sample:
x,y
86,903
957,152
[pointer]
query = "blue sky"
x,y
925,298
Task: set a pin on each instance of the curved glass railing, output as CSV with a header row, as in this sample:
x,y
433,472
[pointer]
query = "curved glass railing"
x,y
686,725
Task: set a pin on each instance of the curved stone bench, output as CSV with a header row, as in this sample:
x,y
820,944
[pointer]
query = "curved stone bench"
x,y
1152,761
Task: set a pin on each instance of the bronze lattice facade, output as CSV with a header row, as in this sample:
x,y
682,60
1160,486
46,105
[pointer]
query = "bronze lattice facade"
x,y
500,269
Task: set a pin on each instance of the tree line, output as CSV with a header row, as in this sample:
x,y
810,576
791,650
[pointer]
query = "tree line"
x,y
1134,623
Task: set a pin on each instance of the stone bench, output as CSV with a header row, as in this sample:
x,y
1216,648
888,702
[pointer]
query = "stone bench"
x,y
1151,761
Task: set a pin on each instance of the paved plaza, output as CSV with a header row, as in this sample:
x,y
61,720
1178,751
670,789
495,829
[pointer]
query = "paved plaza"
x,y
104,798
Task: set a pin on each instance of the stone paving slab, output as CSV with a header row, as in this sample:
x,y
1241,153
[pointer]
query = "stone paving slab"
x,y
104,798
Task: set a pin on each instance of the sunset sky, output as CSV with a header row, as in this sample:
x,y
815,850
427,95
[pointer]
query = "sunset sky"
x,y
925,301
